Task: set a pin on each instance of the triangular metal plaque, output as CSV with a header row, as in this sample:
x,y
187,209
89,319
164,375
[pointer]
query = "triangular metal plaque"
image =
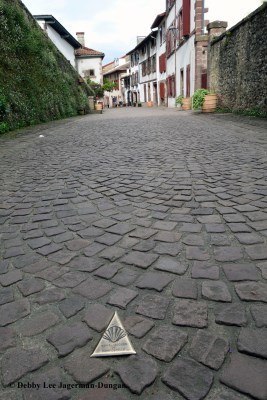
x,y
115,341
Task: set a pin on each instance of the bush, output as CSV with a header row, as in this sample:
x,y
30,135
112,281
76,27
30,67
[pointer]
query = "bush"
x,y
179,100
198,98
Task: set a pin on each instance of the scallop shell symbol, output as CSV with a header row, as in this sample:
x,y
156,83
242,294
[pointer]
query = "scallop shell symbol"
x,y
114,334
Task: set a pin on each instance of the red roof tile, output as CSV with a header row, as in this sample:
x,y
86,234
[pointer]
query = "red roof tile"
x,y
85,51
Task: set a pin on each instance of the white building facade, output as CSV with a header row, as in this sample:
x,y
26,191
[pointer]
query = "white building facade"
x,y
144,85
61,38
160,25
117,71
89,61
186,48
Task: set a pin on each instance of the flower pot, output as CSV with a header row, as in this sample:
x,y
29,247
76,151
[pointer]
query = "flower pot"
x,y
186,103
210,103
98,107
150,103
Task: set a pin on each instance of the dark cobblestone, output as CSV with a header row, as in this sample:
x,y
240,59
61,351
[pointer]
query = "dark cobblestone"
x,y
18,362
67,338
71,306
165,342
7,338
84,369
247,375
122,297
253,342
153,280
190,313
38,324
137,373
138,326
232,314
216,291
153,306
166,199
189,378
14,311
10,278
209,349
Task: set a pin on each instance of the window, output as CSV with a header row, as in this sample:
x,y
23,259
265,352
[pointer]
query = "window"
x,y
162,34
171,87
144,68
91,72
148,65
162,63
171,40
153,63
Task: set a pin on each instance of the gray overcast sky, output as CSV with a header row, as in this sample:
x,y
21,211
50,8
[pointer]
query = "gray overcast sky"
x,y
111,26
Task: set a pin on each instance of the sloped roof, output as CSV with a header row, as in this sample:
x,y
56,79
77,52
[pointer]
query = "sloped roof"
x,y
158,20
85,51
146,39
49,19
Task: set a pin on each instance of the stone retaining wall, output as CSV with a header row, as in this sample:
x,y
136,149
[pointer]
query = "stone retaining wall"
x,y
238,65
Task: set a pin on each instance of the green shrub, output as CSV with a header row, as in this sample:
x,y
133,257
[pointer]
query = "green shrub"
x,y
179,100
198,98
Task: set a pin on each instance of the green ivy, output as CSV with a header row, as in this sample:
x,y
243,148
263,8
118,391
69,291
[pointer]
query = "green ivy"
x,y
37,84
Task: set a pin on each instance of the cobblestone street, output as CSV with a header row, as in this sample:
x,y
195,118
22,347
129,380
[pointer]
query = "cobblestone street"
x,y
157,214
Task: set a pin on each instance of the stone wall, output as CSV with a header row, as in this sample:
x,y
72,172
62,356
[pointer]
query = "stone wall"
x,y
238,65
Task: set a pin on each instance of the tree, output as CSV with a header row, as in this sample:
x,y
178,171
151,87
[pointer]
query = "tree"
x,y
97,89
109,86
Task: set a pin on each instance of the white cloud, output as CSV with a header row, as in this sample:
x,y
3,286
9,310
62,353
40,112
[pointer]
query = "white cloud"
x,y
231,11
113,25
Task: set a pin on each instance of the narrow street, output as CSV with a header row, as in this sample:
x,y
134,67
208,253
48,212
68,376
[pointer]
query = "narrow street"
x,y
158,214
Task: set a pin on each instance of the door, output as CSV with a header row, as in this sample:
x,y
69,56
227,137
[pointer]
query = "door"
x,y
188,80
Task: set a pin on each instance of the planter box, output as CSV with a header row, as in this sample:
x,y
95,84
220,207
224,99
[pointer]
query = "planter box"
x,y
210,103
99,107
186,104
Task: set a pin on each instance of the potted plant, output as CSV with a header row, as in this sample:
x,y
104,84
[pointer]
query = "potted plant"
x,y
204,101
186,103
139,104
179,102
81,111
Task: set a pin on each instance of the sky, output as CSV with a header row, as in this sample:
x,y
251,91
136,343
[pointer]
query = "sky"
x,y
111,26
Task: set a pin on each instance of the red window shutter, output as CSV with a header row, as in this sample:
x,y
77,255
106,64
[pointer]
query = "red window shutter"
x,y
162,90
186,17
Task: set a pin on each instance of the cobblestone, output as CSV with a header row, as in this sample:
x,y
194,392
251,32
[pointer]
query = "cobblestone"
x,y
165,342
189,378
137,373
69,337
105,211
246,374
18,362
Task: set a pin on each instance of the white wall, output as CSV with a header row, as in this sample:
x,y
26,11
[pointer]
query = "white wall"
x,y
161,49
63,46
84,64
184,56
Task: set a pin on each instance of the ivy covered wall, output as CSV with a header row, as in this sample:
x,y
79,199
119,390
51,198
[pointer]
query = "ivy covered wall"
x,y
37,84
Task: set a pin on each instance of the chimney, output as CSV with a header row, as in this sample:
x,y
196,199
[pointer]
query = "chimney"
x,y
80,38
216,28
